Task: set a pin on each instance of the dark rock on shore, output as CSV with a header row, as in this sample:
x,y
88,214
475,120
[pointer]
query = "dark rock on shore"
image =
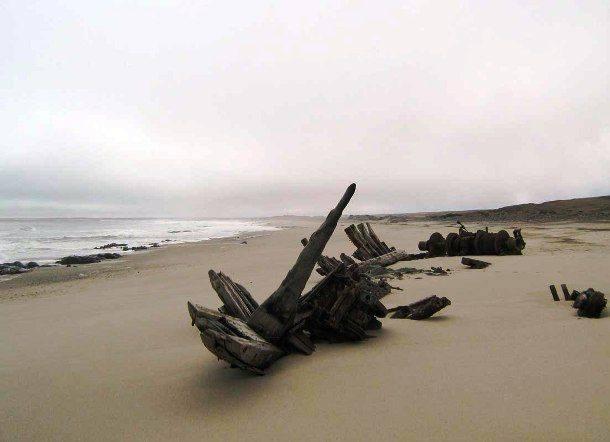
x,y
9,269
110,246
137,248
87,259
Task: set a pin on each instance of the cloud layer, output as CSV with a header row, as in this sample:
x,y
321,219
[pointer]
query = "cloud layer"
x,y
254,108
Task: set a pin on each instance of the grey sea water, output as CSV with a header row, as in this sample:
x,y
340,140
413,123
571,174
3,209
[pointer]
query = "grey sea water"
x,y
45,240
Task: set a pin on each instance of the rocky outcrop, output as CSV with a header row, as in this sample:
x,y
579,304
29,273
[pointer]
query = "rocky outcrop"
x,y
87,259
110,246
16,267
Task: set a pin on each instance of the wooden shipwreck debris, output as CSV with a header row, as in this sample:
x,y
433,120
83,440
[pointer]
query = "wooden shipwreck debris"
x,y
344,306
421,309
475,263
368,245
236,299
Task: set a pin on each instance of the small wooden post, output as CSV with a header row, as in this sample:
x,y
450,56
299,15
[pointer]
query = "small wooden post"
x,y
554,292
566,293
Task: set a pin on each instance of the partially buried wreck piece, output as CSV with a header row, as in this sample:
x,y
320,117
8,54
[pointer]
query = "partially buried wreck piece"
x,y
482,242
475,263
422,309
590,303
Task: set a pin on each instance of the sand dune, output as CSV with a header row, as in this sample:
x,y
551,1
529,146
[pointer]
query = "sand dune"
x,y
111,354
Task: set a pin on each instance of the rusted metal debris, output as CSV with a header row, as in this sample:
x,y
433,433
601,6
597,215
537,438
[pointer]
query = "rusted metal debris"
x,y
482,242
590,303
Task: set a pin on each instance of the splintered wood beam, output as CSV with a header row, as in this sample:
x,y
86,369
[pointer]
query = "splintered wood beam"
x,y
275,315
390,258
236,299
384,248
362,252
347,260
371,244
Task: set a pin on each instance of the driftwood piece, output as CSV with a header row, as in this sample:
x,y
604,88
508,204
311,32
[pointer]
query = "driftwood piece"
x,y
421,309
554,292
275,316
475,263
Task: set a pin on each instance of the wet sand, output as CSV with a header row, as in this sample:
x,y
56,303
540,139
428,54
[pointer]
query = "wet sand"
x,y
107,352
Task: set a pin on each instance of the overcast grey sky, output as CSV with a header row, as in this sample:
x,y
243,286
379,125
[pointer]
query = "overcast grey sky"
x,y
159,108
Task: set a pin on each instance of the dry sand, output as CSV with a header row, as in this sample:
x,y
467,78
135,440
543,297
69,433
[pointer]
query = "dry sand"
x,y
111,354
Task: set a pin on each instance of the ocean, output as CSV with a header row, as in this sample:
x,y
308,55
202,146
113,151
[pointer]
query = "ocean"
x,y
46,240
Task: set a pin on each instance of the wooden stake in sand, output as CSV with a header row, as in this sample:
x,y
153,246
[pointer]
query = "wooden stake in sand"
x,y
554,292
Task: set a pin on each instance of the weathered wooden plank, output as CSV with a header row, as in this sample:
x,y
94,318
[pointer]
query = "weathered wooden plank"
x,y
390,258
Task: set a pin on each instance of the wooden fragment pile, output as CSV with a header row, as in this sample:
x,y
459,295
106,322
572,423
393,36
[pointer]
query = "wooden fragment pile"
x,y
344,306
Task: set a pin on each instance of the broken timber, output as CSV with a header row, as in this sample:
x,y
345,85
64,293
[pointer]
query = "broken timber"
x,y
475,263
421,309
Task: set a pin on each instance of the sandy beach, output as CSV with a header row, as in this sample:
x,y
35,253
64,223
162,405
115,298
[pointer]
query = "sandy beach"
x,y
107,352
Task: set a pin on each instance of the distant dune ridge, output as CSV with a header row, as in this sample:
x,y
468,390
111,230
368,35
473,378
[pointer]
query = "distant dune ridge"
x,y
578,209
